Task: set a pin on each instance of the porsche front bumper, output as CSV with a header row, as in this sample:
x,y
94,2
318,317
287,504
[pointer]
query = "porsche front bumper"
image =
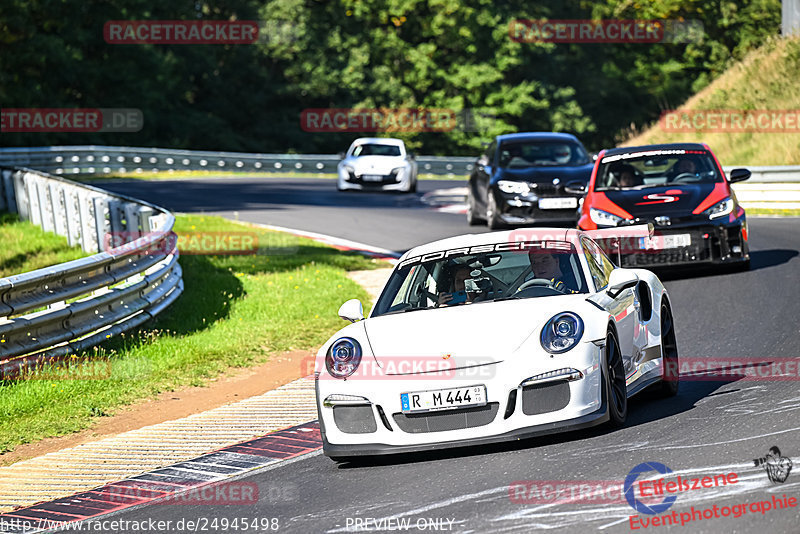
x,y
364,417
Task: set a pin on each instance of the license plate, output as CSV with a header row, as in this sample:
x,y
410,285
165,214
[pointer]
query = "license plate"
x,y
372,178
558,203
660,242
442,399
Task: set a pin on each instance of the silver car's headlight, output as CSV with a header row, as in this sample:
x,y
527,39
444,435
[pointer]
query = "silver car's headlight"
x,y
510,187
343,357
562,332
603,218
720,209
349,169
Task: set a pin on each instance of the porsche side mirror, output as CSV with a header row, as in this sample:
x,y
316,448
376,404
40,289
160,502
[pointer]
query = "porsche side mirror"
x,y
575,188
620,280
739,175
352,311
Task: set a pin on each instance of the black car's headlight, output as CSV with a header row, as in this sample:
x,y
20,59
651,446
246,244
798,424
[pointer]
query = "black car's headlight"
x,y
511,187
720,209
343,357
562,332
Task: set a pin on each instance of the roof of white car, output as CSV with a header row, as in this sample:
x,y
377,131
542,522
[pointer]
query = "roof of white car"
x,y
379,140
473,240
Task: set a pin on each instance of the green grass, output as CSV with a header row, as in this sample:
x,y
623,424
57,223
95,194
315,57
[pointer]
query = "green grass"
x,y
761,81
25,247
771,211
236,311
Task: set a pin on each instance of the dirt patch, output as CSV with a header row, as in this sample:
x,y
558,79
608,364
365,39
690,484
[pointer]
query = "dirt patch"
x,y
238,385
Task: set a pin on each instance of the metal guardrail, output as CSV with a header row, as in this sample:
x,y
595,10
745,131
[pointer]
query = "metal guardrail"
x,y
77,160
59,310
91,159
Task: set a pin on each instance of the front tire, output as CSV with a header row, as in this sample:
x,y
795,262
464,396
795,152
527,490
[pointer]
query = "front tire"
x,y
492,218
614,380
472,218
669,351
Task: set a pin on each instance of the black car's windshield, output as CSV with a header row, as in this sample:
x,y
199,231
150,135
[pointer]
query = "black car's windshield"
x,y
467,276
375,149
521,154
656,168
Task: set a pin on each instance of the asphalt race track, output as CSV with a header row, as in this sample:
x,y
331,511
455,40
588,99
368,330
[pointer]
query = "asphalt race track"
x,y
388,220
712,427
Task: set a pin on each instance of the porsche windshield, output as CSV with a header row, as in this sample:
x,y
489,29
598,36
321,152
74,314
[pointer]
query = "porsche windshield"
x,y
458,278
521,154
655,169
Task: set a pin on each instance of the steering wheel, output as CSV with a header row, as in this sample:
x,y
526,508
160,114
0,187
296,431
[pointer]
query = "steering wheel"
x,y
535,282
684,175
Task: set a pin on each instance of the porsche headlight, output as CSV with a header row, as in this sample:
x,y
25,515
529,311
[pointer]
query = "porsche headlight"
x,y
720,209
343,357
562,332
512,188
603,218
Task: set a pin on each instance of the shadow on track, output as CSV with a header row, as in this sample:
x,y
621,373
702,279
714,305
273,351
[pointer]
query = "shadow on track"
x,y
643,408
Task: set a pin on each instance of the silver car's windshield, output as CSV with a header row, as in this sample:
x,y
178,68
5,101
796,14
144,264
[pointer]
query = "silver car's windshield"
x,y
375,149
462,277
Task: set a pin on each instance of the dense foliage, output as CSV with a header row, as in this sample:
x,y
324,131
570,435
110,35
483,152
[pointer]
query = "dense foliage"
x,y
361,53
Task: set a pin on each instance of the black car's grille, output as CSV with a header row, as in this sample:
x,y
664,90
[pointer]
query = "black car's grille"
x,y
544,190
447,419
545,398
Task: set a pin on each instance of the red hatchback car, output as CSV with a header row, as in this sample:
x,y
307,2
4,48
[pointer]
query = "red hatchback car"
x,y
680,188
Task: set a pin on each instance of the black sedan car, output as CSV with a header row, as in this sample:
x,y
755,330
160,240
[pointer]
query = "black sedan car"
x,y
526,178
680,188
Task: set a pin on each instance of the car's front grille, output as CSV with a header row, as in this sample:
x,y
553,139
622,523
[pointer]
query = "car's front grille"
x,y
544,189
545,398
446,419
385,179
355,419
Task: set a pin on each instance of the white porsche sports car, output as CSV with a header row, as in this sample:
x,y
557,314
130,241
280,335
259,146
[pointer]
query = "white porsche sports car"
x,y
377,163
492,337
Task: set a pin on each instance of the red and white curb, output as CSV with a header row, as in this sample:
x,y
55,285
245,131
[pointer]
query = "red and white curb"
x,y
196,481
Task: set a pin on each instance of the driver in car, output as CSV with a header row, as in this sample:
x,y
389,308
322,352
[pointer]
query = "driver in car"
x,y
459,293
684,166
547,265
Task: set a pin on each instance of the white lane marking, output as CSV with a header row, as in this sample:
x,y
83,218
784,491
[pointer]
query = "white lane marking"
x,y
434,506
695,445
330,240
749,482
617,522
